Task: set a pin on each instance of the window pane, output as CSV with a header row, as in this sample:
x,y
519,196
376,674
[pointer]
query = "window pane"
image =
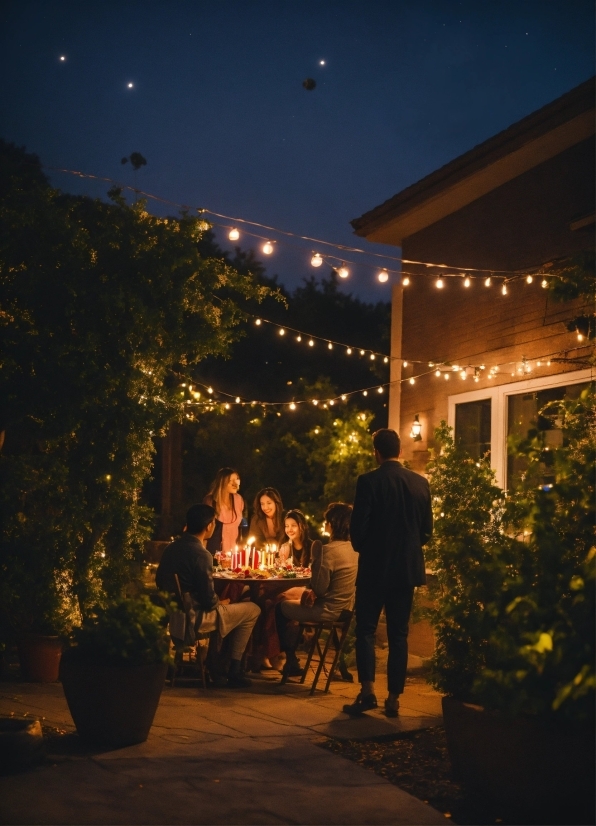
x,y
523,416
472,427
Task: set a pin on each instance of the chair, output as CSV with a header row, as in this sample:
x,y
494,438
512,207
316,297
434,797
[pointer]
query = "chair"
x,y
188,662
336,637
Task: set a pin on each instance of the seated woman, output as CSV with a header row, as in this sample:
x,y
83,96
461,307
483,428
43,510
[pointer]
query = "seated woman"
x,y
224,497
267,524
333,583
299,545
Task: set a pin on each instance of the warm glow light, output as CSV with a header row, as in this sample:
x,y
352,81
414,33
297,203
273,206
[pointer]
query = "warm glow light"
x,y
237,399
282,332
544,283
415,432
62,57
462,375
504,289
365,392
343,271
349,351
343,398
579,336
330,346
298,338
467,282
267,248
292,406
405,281
437,372
383,276
412,380
258,321
210,390
227,406
446,376
130,85
316,260
385,360
529,279
362,352
487,282
311,343
315,402
439,283
405,364
380,390
233,234
372,357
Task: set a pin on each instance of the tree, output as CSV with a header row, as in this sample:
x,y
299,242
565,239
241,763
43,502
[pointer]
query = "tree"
x,y
101,302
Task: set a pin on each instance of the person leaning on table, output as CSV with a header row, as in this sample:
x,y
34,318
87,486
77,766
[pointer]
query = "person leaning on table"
x,y
191,561
391,521
333,579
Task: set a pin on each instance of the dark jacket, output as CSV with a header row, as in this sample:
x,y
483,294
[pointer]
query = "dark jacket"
x,y
193,563
391,521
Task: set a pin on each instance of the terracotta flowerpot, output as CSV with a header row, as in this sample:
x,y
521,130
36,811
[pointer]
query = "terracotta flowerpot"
x,y
39,657
538,771
112,705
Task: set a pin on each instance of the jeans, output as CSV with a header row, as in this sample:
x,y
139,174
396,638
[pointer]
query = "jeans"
x,y
397,601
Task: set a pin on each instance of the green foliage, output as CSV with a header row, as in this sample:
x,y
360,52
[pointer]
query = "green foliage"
x,y
128,632
515,612
576,278
101,303
313,454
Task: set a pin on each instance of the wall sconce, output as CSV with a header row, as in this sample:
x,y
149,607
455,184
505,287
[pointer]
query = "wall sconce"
x,y
415,432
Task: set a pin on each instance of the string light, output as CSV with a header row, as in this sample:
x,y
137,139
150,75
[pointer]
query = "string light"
x,y
258,322
343,271
504,289
267,248
234,234
380,390
467,282
372,356
311,343
405,364
446,376
316,260
405,281
529,279
544,283
487,282
362,352
383,276
365,392
298,338
385,360
329,346
349,351
282,332
412,381
292,406
439,283
437,373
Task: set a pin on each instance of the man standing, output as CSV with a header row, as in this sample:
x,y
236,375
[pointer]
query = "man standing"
x,y
191,561
391,521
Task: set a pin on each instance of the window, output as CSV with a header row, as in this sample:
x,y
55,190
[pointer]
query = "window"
x,y
472,427
523,416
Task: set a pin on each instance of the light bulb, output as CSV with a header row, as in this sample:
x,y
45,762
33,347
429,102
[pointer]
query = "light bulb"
x,y
487,282
372,356
237,399
405,364
316,260
467,282
380,390
311,343
446,376
365,392
580,336
385,360
504,289
267,248
298,338
349,351
331,403
330,346
383,276
343,271
538,364
227,406
412,380
343,398
405,281
529,279
233,234
544,283
439,283
315,402
292,406
282,332
62,57
362,352
258,321
210,390
437,373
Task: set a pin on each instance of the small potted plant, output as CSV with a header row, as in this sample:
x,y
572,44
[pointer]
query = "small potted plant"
x,y
114,671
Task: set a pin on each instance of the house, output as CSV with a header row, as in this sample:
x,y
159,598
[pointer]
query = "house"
x,y
480,342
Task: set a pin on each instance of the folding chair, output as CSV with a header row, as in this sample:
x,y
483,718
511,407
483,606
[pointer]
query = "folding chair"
x,y
336,637
187,656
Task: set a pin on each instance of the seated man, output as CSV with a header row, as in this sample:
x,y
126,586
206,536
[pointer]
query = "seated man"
x,y
191,561
332,585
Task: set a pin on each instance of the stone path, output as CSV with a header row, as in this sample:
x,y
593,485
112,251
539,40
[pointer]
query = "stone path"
x,y
219,756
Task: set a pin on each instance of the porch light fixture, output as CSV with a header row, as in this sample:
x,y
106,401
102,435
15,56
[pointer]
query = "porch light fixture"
x,y
415,432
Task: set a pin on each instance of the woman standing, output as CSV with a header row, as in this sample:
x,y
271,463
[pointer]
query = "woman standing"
x,y
267,524
224,497
299,546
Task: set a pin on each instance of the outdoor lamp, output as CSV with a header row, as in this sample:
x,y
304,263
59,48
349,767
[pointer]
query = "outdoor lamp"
x,y
415,432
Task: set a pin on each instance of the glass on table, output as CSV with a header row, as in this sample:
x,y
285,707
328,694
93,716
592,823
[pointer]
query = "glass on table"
x,y
285,552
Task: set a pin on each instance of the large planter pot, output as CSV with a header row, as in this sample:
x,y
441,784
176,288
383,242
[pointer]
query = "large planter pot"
x,y
39,657
541,772
112,705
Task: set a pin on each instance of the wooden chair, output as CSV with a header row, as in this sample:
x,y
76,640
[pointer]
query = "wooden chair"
x,y
336,637
188,662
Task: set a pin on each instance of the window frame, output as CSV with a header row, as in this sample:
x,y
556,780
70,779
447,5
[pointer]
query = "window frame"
x,y
499,405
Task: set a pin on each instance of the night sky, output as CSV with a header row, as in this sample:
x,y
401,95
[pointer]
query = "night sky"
x,y
218,108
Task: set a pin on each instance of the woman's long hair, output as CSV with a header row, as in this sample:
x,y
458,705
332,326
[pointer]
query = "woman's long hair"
x,y
338,515
275,497
300,520
219,497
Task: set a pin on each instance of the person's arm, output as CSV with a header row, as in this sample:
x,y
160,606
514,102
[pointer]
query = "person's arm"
x,y
360,523
320,578
203,590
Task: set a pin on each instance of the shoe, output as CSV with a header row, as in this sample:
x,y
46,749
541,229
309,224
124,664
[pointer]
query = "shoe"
x,y
390,710
292,668
238,681
360,705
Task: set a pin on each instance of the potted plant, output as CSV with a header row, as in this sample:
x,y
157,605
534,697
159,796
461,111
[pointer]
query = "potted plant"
x,y
114,671
514,620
